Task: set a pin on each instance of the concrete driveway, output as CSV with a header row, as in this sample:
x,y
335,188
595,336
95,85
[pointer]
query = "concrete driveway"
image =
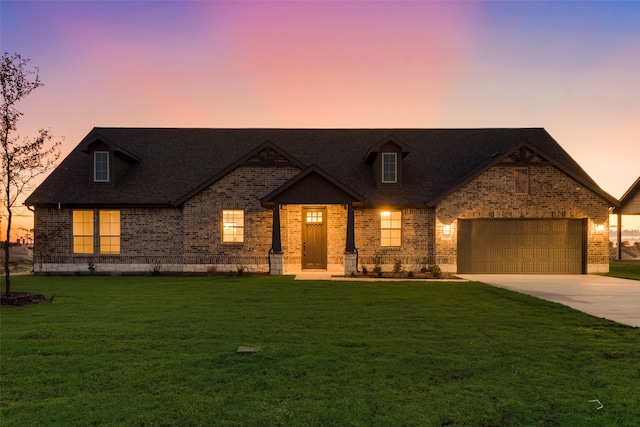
x,y
600,296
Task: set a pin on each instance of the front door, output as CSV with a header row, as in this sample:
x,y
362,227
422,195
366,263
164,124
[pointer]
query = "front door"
x,y
314,238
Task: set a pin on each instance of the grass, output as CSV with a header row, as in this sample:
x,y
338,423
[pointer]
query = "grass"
x,y
147,351
624,269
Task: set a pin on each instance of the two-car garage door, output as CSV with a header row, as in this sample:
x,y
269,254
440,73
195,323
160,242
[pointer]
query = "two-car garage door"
x,y
545,246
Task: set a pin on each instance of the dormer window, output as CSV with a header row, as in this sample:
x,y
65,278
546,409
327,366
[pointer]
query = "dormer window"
x,y
101,166
389,168
386,158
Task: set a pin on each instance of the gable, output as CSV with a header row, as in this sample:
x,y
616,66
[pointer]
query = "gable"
x,y
526,154
266,154
312,186
630,201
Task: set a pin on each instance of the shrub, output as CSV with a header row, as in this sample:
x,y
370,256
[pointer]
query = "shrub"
x,y
240,270
435,270
397,266
155,269
377,260
378,270
364,270
423,265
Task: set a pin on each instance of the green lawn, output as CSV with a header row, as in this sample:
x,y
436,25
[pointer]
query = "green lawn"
x,y
147,351
624,269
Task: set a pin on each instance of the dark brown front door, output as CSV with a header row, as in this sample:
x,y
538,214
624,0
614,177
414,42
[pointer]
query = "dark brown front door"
x,y
314,238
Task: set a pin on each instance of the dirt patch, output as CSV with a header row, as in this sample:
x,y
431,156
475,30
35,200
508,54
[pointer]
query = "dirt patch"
x,y
22,298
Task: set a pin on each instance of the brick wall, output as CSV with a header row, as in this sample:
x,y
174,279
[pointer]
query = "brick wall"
x,y
174,239
240,189
417,238
552,194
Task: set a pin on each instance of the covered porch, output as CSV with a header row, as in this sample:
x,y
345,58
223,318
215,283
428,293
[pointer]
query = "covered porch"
x,y
313,225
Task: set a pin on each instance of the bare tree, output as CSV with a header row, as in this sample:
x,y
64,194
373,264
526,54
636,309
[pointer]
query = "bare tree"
x,y
23,159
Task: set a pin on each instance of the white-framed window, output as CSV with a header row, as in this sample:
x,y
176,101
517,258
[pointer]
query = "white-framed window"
x,y
389,167
390,228
82,231
232,226
109,232
521,180
101,166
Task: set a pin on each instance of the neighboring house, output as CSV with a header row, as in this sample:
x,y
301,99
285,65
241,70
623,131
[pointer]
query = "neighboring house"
x,y
283,200
629,205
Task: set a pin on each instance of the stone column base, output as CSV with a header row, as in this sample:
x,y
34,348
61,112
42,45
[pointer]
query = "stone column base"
x,y
277,267
350,264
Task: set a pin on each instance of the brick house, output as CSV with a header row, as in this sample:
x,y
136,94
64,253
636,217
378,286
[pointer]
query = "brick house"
x,y
130,200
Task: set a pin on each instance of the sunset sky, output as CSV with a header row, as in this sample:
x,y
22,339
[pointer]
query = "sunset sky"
x,y
570,67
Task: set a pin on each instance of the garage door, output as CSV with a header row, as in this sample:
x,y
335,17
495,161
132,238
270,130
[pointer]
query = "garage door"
x,y
544,246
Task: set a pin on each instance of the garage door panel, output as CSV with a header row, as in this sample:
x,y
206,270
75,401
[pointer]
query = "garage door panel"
x,y
520,246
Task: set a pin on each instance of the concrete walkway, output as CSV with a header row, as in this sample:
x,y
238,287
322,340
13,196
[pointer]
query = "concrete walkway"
x,y
600,296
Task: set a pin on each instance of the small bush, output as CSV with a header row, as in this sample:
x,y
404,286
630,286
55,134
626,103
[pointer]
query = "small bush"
x,y
410,275
435,270
397,266
364,270
377,260
378,270
155,269
240,270
423,265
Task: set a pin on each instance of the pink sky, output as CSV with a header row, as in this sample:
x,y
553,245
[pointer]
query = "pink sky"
x,y
570,67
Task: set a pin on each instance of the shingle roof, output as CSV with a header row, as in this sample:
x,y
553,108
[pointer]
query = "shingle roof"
x,y
173,162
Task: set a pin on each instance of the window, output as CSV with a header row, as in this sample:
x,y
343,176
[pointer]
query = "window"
x,y
389,167
521,176
314,217
109,232
232,226
390,228
101,166
82,232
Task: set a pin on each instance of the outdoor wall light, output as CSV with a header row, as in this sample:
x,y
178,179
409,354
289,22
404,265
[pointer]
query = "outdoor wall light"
x,y
599,228
385,214
446,230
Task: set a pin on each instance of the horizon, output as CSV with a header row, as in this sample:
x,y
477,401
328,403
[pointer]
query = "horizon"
x,y
568,67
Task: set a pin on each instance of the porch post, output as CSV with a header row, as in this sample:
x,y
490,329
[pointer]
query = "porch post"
x,y
275,257
276,240
350,255
351,242
619,236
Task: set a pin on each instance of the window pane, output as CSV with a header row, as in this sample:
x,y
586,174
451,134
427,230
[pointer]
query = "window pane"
x,y
390,228
232,226
109,232
109,245
101,166
82,232
389,167
314,217
82,245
